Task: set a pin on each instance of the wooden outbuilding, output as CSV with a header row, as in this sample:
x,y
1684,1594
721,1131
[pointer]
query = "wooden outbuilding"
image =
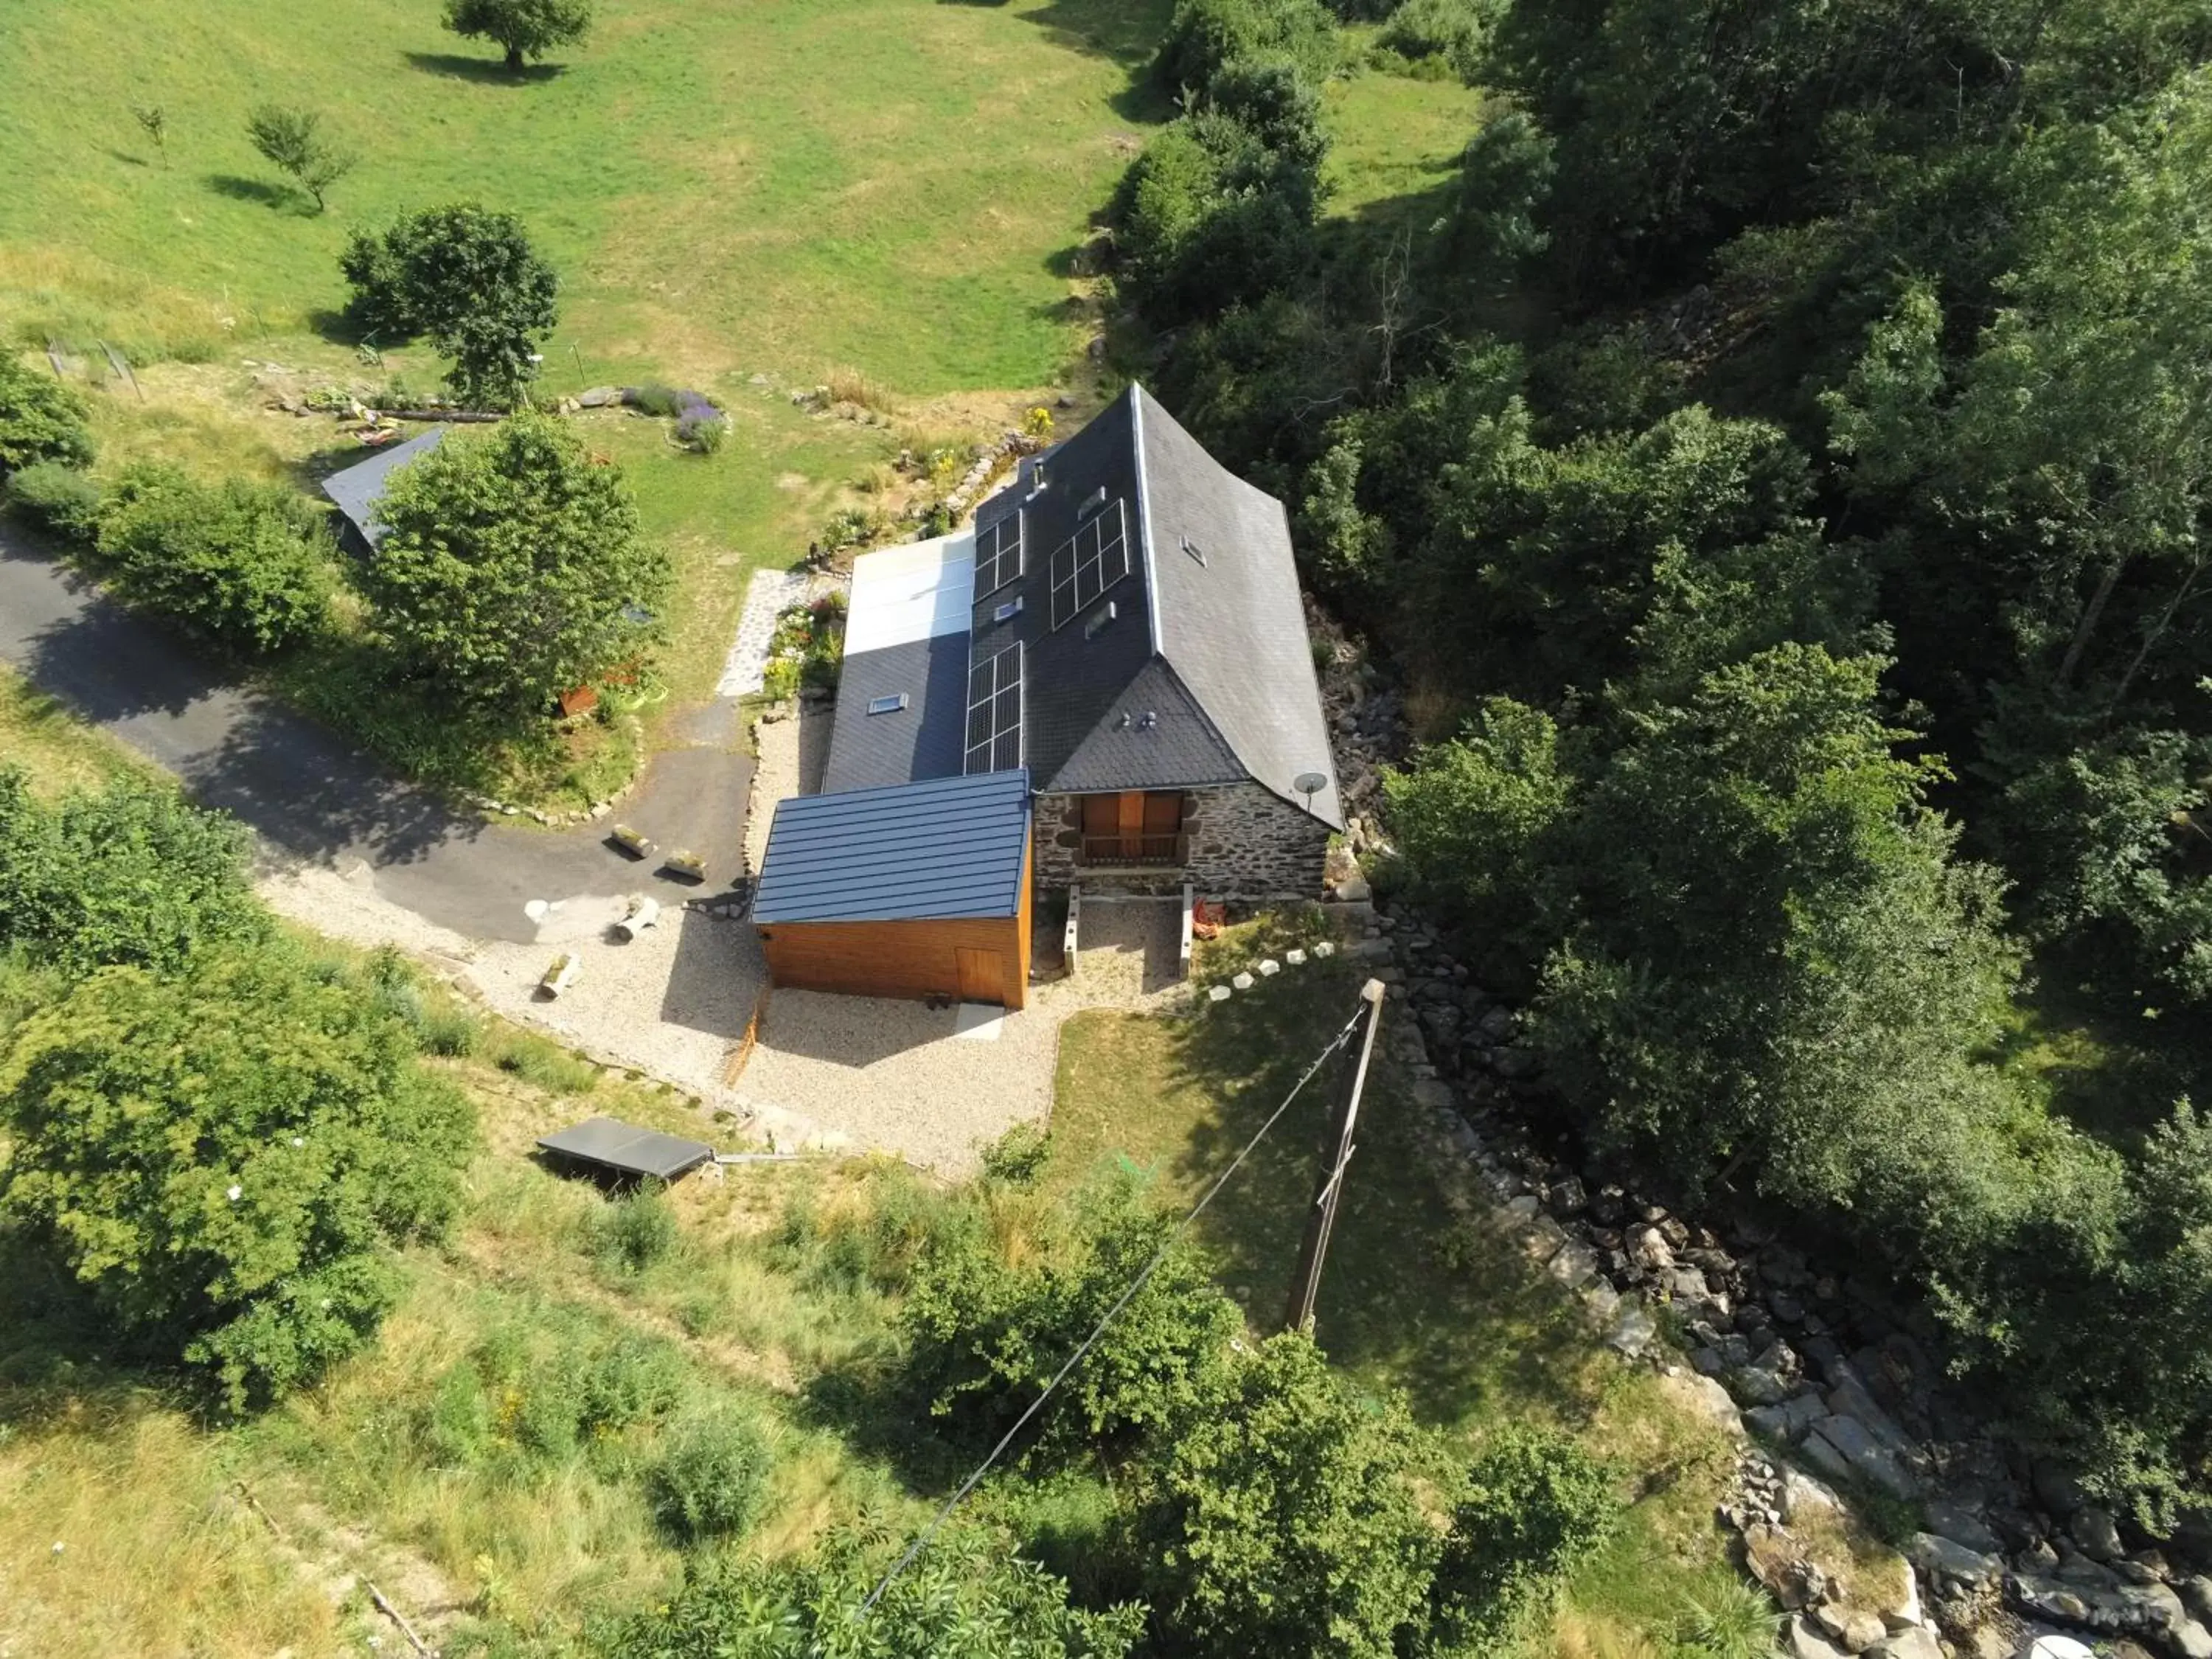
x,y
916,890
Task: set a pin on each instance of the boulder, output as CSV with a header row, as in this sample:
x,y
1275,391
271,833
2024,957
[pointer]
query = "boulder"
x,y
1804,1498
1779,1562
1575,1266
2058,1647
1805,1641
1914,1643
1939,1558
1862,1455
1710,1400
1647,1247
2096,1532
1849,1628
1755,1385
1787,1420
1959,1524
1632,1333
2197,1596
1849,1398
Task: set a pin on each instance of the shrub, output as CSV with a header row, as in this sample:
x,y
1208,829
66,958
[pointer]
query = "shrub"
x,y
1451,30
711,1476
660,401
964,1596
1017,1157
293,141
130,875
633,1379
59,499
224,1159
513,569
1204,37
984,1336
703,430
1536,1506
41,419
244,564
1280,1516
640,1228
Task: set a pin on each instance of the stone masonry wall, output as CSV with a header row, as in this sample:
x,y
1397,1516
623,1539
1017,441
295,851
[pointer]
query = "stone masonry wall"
x,y
1244,844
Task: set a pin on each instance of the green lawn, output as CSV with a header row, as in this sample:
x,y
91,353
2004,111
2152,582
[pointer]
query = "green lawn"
x,y
785,186
1415,1297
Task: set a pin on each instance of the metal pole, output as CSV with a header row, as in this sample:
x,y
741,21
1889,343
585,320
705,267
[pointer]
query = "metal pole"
x,y
1336,1152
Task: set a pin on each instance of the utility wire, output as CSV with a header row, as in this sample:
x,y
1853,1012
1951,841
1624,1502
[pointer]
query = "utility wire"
x,y
1111,1314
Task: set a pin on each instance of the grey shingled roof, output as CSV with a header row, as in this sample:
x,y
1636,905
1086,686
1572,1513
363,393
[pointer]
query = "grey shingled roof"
x,y
358,488
942,849
628,1150
1217,650
922,740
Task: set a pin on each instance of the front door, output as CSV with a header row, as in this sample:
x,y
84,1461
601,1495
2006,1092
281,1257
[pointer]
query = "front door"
x,y
983,974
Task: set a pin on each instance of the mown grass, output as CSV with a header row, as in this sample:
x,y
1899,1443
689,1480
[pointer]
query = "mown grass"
x,y
1416,1298
57,750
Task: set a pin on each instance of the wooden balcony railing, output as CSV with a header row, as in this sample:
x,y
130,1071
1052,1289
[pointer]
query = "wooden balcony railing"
x,y
1126,852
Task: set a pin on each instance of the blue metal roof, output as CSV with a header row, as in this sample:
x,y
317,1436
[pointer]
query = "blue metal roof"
x,y
359,489
940,848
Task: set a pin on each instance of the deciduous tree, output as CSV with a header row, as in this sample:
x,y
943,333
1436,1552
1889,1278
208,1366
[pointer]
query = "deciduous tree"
x,y
514,568
527,28
468,278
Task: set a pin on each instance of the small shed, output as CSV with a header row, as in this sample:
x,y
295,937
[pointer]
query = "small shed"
x,y
359,489
607,1147
915,890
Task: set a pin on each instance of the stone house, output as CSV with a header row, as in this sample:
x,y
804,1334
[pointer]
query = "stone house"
x,y
1124,622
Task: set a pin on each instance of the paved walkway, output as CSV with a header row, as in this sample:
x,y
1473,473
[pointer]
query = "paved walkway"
x,y
315,800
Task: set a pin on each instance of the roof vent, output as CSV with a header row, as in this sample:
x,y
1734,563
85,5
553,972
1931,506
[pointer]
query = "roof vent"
x,y
1194,550
896,703
1147,720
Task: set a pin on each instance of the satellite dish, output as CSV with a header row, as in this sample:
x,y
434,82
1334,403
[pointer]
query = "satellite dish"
x,y
1310,784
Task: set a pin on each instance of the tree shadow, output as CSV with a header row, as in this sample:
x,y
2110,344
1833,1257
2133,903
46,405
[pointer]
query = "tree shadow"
x,y
1127,31
484,71
1414,1297
279,198
128,159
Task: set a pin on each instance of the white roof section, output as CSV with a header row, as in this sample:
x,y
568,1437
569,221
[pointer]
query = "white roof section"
x,y
903,595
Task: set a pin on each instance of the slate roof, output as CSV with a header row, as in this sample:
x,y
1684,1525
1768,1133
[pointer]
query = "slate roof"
x,y
358,488
907,633
1206,632
937,849
626,1149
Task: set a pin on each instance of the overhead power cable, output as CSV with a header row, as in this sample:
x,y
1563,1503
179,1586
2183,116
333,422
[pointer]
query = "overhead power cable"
x,y
1099,1330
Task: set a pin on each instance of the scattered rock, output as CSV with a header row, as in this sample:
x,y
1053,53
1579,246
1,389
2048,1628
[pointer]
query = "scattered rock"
x,y
1941,1559
1632,1333
1963,1526
1915,1644
1849,1628
2096,1532
1804,1641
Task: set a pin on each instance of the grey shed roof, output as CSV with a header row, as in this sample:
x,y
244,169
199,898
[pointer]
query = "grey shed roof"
x,y
628,1150
1205,634
359,489
930,851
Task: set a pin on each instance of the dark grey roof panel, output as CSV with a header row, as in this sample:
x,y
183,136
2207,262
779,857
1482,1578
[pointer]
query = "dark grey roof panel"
x,y
627,1149
1233,627
934,850
1167,743
922,740
358,488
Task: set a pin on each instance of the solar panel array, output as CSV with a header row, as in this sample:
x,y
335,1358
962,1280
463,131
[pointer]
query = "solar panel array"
x,y
994,711
1089,563
998,554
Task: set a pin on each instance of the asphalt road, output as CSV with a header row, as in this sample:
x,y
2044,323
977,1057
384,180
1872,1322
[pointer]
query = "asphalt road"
x,y
313,797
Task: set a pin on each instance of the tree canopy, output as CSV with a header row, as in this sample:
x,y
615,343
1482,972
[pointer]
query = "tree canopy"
x,y
513,569
526,28
468,278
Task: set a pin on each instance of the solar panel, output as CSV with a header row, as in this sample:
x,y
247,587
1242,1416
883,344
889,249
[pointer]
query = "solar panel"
x,y
994,711
1089,563
998,554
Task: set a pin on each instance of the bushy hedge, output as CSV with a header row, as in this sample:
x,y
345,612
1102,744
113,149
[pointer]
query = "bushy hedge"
x,y
245,564
57,498
223,1157
41,419
1204,37
126,876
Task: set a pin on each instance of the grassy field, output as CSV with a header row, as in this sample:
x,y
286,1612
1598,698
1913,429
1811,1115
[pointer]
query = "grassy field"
x,y
1415,1299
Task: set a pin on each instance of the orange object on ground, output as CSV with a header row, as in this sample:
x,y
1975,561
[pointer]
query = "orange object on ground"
x,y
1208,917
